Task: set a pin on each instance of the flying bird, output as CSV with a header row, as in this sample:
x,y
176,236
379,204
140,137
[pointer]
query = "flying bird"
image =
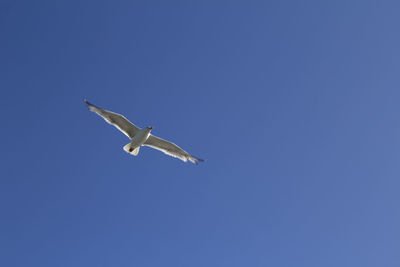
x,y
141,137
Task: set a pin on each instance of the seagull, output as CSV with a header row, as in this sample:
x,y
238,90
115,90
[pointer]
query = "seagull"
x,y
141,137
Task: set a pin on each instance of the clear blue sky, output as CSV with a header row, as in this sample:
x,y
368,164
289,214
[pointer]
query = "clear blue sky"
x,y
294,105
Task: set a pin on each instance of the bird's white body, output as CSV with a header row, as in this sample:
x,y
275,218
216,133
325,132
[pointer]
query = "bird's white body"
x,y
138,140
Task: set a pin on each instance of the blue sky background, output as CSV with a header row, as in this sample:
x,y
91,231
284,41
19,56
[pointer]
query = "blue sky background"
x,y
294,104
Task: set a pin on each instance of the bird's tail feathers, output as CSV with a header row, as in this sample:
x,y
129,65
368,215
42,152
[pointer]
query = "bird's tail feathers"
x,y
132,150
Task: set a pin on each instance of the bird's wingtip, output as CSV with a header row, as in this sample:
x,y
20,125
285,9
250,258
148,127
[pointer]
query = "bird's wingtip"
x,y
197,160
88,103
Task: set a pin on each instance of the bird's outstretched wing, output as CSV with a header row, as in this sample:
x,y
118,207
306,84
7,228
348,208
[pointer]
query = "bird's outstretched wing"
x,y
119,121
170,149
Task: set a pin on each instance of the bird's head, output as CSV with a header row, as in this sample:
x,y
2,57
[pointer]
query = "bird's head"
x,y
150,128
